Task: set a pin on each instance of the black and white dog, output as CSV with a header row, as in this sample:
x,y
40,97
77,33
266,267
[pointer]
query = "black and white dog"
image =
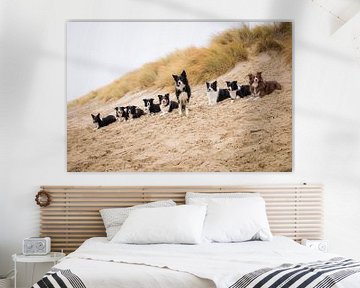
x,y
167,106
134,112
214,94
150,107
237,90
122,113
102,122
182,91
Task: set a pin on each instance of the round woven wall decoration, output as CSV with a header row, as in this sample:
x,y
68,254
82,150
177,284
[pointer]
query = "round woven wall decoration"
x,y
42,198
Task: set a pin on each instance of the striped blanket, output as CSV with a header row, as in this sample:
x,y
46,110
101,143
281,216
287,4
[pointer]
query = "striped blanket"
x,y
59,278
320,274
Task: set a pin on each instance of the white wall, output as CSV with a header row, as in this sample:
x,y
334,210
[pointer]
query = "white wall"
x,y
33,128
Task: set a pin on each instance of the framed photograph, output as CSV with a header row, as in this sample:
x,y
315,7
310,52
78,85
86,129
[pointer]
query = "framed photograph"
x,y
177,96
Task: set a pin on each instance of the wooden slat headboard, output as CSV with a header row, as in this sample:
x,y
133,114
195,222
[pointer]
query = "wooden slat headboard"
x,y
73,215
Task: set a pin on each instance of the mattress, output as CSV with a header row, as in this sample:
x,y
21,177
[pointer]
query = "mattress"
x,y
99,263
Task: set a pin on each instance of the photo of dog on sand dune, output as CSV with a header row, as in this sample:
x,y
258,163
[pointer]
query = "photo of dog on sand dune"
x,y
152,96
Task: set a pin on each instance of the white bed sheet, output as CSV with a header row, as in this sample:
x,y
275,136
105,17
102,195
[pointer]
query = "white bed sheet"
x,y
100,263
101,274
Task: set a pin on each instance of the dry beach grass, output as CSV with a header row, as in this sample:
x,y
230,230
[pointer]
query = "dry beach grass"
x,y
222,54
245,135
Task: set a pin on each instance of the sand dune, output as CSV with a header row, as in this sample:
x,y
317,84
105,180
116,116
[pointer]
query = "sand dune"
x,y
245,135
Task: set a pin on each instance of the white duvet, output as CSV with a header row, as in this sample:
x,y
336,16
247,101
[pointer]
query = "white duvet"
x,y
100,263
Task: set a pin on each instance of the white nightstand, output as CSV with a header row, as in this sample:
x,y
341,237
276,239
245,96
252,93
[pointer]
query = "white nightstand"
x,y
53,257
320,245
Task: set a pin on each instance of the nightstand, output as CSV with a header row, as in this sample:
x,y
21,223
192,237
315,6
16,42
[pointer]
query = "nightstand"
x,y
320,245
53,257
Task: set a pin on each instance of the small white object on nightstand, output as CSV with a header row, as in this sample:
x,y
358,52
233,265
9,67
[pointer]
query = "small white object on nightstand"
x,y
320,245
53,257
36,246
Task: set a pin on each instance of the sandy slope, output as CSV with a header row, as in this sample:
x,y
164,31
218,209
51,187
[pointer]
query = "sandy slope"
x,y
245,135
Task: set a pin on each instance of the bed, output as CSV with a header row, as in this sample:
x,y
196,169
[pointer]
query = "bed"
x,y
99,263
281,262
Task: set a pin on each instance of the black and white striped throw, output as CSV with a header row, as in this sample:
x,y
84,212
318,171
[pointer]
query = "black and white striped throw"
x,y
59,278
320,274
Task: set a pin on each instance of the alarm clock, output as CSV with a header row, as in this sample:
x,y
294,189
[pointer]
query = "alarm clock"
x,y
320,245
36,246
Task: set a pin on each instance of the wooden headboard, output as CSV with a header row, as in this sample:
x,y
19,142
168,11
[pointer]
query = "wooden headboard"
x,y
73,215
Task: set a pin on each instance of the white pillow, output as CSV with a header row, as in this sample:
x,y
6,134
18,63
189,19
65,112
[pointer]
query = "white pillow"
x,y
204,198
236,220
113,218
180,224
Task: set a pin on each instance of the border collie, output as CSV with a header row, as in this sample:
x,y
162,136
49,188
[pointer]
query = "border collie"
x,y
214,94
167,106
150,107
182,91
102,122
237,90
122,113
134,112
262,87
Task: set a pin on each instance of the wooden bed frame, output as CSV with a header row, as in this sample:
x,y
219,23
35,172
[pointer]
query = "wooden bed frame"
x,y
73,215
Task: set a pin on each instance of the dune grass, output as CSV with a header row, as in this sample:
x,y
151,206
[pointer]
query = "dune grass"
x,y
201,63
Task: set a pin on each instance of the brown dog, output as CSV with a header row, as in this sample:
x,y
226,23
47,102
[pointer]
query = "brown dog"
x,y
260,87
